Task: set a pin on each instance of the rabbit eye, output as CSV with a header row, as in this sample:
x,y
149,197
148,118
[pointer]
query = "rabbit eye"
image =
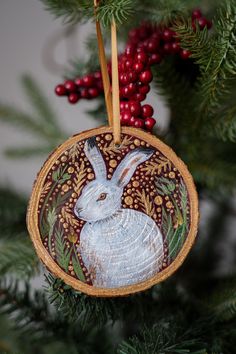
x,y
102,196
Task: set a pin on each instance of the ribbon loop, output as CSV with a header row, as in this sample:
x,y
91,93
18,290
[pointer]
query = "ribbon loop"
x,y
112,100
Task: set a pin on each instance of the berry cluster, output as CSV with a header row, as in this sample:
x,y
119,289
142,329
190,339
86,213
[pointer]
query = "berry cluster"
x,y
147,45
198,18
88,87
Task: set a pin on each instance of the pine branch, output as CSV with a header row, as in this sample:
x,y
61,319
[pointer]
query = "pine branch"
x,y
42,125
214,173
215,56
12,213
17,257
164,337
40,103
120,10
24,121
221,67
78,67
73,11
45,330
222,303
79,307
165,11
225,123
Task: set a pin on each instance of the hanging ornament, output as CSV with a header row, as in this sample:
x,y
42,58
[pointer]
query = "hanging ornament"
x,y
113,211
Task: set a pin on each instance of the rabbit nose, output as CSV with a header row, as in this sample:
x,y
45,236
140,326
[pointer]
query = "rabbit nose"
x,y
79,210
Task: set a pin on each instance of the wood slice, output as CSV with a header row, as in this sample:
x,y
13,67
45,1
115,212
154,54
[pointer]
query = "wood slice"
x,y
113,220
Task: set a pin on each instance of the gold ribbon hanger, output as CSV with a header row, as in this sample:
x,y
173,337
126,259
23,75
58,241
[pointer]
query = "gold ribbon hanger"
x,y
112,99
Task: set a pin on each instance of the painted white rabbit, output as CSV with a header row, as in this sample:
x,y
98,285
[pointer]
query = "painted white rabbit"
x,y
118,246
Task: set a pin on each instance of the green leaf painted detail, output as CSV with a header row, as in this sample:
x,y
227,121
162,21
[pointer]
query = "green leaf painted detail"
x,y
78,269
62,252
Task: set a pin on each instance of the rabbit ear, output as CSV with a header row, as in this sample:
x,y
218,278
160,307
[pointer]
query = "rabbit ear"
x,y
94,156
128,165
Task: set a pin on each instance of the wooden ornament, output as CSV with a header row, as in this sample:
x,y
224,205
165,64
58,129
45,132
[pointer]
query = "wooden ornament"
x,y
113,220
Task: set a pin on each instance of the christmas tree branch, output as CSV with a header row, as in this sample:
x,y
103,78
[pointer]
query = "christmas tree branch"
x,y
42,123
165,11
17,256
221,66
73,11
40,104
215,56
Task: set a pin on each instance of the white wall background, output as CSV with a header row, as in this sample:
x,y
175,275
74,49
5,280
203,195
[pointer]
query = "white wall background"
x,y
31,41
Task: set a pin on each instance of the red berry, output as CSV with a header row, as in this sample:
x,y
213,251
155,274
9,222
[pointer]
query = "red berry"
x,y
97,75
144,89
175,46
134,35
121,67
70,85
135,108
124,79
132,88
99,85
152,45
125,117
202,21
88,81
209,24
147,111
138,66
140,48
149,123
132,76
141,57
146,76
60,90
196,14
84,93
138,123
93,92
122,105
155,58
128,64
130,50
79,81
132,120
194,25
128,90
138,97
144,45
185,54
143,32
167,48
167,35
73,97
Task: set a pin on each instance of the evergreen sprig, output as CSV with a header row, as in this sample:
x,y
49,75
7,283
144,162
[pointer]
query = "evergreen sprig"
x,y
17,257
120,11
220,67
73,11
215,56
165,11
41,123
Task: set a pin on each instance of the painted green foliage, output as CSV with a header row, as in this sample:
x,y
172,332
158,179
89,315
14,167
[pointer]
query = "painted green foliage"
x,y
174,226
50,230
